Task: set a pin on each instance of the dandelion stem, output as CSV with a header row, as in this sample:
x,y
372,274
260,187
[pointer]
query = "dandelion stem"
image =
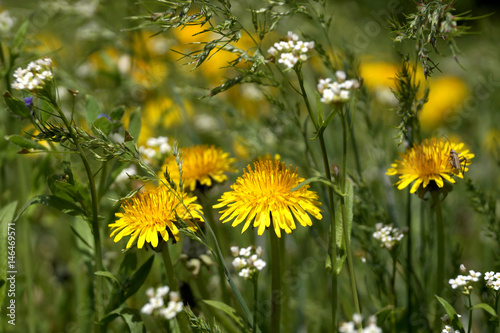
x,y
172,283
408,263
440,242
275,283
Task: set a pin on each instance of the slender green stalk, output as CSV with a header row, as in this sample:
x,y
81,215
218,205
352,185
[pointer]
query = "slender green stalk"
x,y
408,264
333,230
98,266
469,326
209,217
440,243
255,302
350,264
393,291
275,283
172,283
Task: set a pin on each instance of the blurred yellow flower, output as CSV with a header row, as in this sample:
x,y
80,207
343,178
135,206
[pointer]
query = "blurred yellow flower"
x,y
153,214
378,75
200,164
264,196
446,93
429,161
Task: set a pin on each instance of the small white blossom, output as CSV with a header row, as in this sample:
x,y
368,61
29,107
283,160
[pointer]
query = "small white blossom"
x,y
245,273
124,175
150,292
157,302
162,291
245,252
357,318
148,308
6,21
347,327
235,250
175,296
239,263
259,264
340,75
492,280
372,328
474,275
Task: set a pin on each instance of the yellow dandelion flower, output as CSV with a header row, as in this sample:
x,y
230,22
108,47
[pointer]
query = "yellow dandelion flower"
x,y
200,164
430,161
265,194
152,214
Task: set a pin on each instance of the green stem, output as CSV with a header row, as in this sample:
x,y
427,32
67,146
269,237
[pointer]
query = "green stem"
x,y
469,326
275,283
333,230
209,217
350,264
408,264
98,266
255,303
393,292
172,283
440,243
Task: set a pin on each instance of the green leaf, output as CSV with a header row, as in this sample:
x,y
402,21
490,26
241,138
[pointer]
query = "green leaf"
x,y
117,114
454,319
6,217
339,225
21,35
64,186
322,180
132,318
485,307
109,275
16,106
134,125
92,109
129,283
62,205
22,142
103,124
230,311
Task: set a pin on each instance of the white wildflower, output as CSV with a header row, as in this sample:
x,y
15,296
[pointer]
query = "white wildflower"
x,y
34,76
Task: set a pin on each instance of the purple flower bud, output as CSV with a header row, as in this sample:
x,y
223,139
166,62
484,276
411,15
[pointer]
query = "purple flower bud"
x,y
105,116
28,101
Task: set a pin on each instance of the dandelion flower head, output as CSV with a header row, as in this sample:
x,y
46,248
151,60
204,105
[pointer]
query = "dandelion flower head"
x,y
200,164
264,195
430,162
153,214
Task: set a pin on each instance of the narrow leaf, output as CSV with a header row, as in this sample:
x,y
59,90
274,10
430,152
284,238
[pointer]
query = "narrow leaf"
x,y
23,142
452,314
322,180
62,205
230,311
117,114
486,308
6,217
134,125
21,34
109,275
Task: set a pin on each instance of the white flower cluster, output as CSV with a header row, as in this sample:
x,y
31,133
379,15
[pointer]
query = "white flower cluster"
x,y
337,91
156,305
492,280
357,319
388,235
291,51
463,281
155,146
247,261
34,76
